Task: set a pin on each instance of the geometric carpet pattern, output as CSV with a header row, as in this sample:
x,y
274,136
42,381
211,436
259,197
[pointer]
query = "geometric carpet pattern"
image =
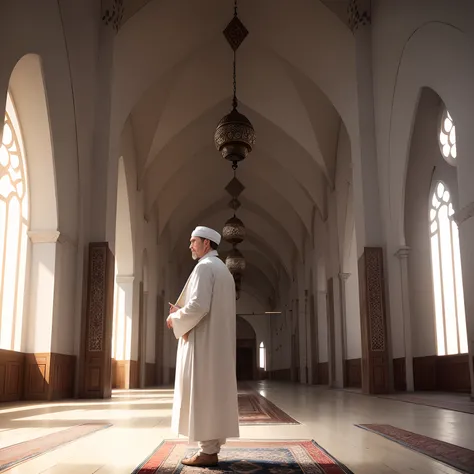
x,y
11,456
247,457
254,409
454,456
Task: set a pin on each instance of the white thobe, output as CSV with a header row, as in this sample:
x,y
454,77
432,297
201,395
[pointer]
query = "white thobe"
x,y
205,405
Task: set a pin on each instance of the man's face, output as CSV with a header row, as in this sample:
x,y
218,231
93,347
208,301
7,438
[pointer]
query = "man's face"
x,y
199,247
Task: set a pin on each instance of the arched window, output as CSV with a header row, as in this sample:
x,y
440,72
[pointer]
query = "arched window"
x,y
14,217
451,330
447,138
262,360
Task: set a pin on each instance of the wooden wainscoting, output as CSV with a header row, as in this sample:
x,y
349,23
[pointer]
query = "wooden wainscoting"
x,y
150,374
399,375
323,373
442,373
280,374
124,374
353,373
11,375
49,376
43,376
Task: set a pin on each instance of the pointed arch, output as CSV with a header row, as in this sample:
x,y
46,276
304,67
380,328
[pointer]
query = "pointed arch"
x,y
14,225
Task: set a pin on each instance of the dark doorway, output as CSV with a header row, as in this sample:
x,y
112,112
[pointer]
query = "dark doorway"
x,y
246,354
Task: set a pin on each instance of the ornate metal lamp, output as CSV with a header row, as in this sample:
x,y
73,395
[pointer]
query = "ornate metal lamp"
x,y
234,138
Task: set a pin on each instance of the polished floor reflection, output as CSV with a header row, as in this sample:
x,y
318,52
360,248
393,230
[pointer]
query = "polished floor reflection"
x,y
140,419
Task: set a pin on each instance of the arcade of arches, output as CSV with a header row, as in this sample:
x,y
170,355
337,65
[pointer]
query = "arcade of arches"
x,y
358,199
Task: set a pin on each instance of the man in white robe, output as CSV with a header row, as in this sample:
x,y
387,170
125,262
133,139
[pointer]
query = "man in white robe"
x,y
205,406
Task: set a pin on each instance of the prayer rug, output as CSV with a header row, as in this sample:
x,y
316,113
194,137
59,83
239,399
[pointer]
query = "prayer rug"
x,y
11,456
251,457
454,456
254,409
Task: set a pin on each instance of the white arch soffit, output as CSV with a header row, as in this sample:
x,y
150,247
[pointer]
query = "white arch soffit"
x,y
29,98
249,302
252,253
255,278
271,250
270,156
419,67
279,243
311,24
292,239
259,196
123,240
263,77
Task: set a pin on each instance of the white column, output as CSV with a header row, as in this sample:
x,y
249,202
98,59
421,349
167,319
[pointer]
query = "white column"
x,y
38,327
343,277
402,254
123,317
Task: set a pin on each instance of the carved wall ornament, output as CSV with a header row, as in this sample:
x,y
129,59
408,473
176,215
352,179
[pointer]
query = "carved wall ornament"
x,y
358,14
375,303
112,13
97,299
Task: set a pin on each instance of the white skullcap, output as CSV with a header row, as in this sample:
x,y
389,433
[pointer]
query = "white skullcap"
x,y
207,233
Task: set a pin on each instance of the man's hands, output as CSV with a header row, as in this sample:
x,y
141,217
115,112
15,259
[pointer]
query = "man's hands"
x,y
169,320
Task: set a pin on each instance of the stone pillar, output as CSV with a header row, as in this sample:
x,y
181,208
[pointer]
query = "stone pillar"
x,y
369,230
402,254
96,370
343,277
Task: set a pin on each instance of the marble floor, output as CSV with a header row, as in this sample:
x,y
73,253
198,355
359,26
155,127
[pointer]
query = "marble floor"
x,y
140,419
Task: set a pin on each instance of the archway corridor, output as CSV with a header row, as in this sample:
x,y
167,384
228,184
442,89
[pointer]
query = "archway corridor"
x,y
348,227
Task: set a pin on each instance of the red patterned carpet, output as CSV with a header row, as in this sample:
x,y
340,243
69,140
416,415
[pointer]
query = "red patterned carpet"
x,y
449,454
255,457
11,456
257,410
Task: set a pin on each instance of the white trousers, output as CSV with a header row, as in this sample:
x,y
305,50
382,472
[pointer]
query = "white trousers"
x,y
213,446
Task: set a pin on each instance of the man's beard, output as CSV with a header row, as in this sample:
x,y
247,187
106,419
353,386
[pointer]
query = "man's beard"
x,y
194,256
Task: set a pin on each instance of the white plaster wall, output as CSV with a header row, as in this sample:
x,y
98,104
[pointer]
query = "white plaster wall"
x,y
140,243
414,47
63,333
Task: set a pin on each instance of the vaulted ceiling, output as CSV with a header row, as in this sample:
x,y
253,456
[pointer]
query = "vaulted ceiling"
x,y
295,82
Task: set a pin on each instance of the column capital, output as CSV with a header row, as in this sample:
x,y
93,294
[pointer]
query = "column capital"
x,y
403,252
464,214
112,13
47,236
358,14
344,276
124,279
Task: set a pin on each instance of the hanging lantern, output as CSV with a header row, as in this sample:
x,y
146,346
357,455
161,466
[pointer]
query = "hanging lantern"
x,y
234,136
235,262
234,231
